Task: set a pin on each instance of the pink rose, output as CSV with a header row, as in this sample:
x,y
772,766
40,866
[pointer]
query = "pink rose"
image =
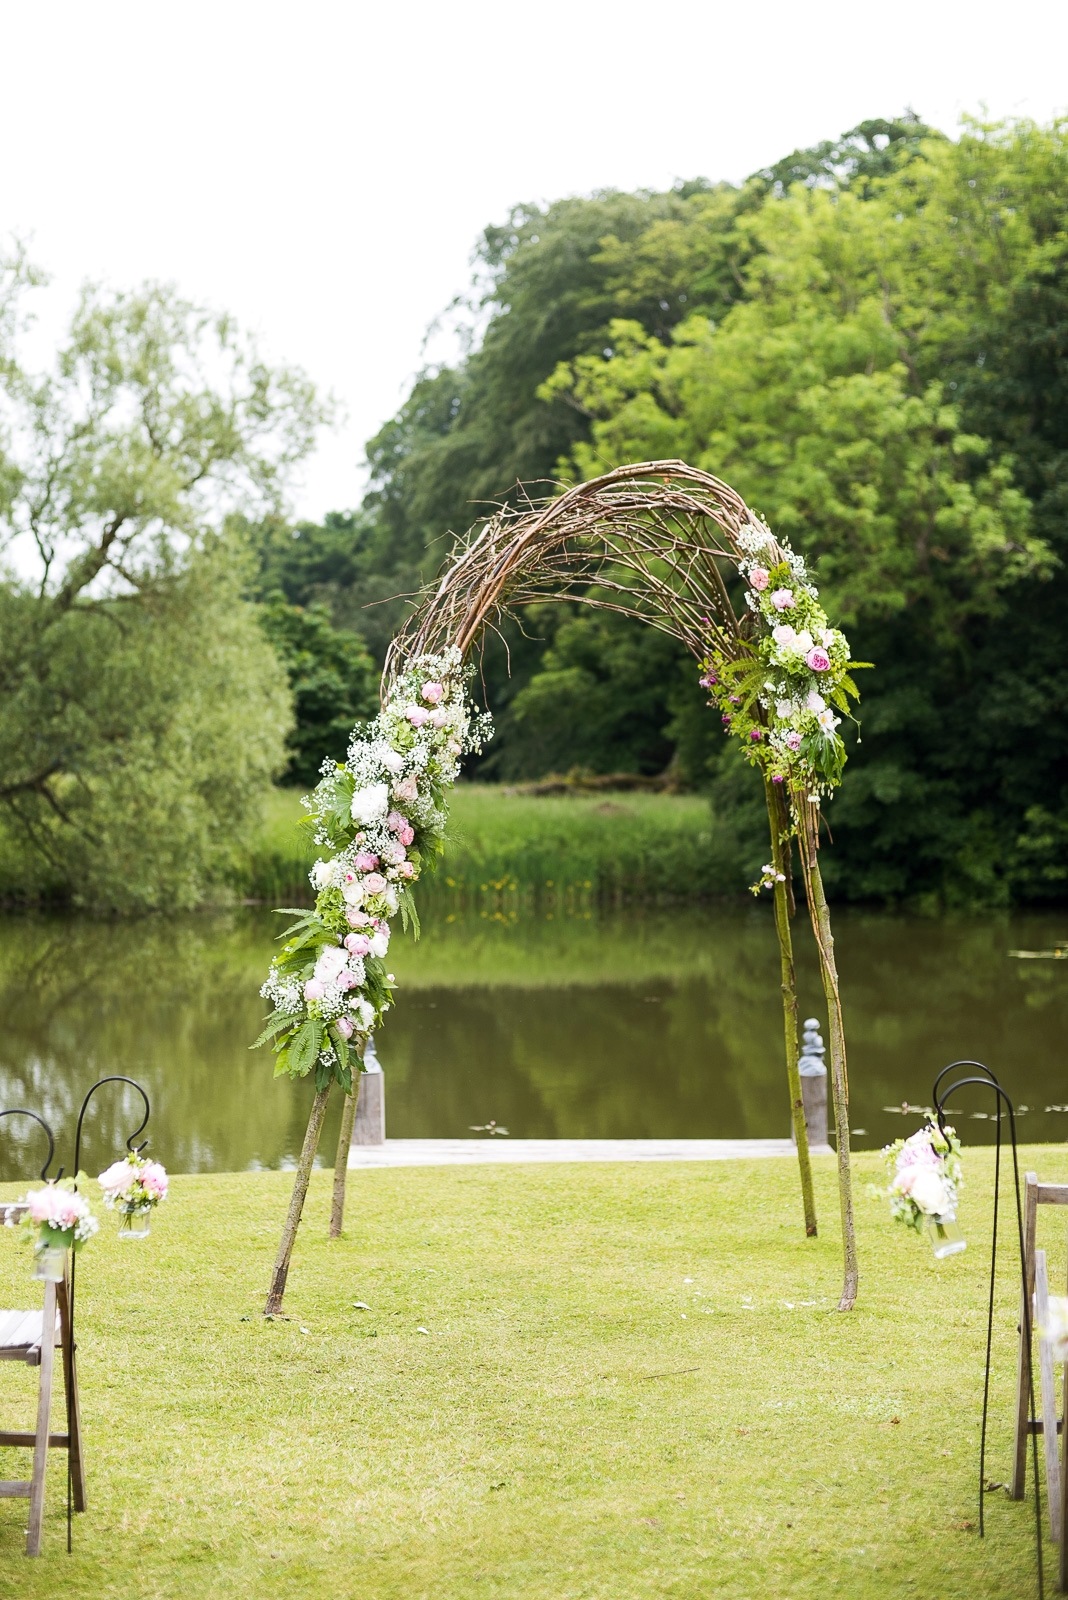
x,y
406,869
793,740
395,822
314,989
406,834
357,944
407,789
818,659
344,1027
365,861
783,599
416,716
432,693
374,883
759,578
356,919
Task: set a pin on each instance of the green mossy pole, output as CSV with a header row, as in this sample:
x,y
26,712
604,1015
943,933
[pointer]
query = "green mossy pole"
x,y
779,821
344,1144
296,1203
807,815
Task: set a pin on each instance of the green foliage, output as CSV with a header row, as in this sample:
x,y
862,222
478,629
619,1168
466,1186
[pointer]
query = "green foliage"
x,y
143,712
333,680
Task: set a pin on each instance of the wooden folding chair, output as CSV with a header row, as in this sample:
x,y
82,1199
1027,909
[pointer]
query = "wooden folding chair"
x,y
32,1337
1049,1425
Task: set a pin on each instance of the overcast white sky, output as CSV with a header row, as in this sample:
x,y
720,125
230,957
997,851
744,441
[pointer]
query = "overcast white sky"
x,y
323,170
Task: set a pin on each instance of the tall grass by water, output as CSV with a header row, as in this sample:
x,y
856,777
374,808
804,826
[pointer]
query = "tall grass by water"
x,y
504,850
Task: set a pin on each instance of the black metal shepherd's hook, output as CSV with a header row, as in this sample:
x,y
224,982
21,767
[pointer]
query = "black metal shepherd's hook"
x,y
20,1111
134,1150
989,1081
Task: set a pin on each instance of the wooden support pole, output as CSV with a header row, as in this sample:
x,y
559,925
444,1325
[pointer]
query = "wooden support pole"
x,y
808,841
341,1162
296,1203
779,822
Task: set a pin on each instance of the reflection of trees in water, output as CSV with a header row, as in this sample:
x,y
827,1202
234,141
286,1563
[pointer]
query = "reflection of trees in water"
x,y
173,1003
662,1025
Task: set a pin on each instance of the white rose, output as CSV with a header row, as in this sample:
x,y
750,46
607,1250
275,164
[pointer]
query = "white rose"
x,y
353,893
803,643
324,874
929,1192
371,803
784,636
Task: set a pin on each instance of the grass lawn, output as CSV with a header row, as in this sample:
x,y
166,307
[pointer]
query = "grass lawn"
x,y
505,849
632,1383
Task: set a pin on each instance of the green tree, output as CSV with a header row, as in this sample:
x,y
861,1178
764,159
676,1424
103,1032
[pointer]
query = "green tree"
x,y
333,680
143,712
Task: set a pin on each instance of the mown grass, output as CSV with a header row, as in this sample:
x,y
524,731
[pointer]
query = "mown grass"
x,y
505,850
632,1382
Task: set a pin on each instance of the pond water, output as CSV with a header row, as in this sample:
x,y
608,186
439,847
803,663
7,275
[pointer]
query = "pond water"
x,y
621,1025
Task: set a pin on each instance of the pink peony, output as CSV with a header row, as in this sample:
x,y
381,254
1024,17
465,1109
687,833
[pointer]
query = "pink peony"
x,y
154,1179
407,789
356,919
759,578
365,861
61,1207
439,719
406,869
395,822
783,599
314,989
347,980
344,1027
406,834
818,659
357,944
432,693
417,716
374,883
793,740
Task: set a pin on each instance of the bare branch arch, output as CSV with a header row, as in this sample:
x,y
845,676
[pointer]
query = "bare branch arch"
x,y
659,541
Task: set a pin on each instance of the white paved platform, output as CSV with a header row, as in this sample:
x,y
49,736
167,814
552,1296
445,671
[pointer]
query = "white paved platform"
x,y
465,1152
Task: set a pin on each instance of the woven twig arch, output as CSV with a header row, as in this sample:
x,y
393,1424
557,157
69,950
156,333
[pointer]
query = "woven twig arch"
x,y
658,541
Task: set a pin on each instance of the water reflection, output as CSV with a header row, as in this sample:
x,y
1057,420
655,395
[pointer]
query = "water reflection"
x,y
663,1024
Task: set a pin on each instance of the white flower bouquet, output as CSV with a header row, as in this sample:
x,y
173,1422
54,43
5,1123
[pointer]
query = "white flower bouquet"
x,y
926,1177
59,1219
380,817
133,1187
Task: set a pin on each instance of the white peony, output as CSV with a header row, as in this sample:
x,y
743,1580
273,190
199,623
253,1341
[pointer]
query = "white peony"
x,y
325,874
390,759
332,959
815,702
783,708
380,942
370,803
365,1013
928,1190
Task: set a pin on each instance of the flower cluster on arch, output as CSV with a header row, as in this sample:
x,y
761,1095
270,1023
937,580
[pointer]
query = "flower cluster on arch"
x,y
380,819
778,692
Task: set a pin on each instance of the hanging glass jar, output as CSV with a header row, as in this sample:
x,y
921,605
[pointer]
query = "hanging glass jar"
x,y
135,1224
49,1261
945,1235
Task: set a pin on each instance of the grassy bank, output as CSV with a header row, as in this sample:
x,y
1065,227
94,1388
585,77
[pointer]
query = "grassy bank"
x,y
505,849
631,1383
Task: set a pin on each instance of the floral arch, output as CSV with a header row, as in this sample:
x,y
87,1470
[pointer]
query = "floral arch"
x,y
659,541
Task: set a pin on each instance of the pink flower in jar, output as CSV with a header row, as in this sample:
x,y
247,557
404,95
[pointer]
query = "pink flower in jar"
x,y
407,789
417,716
395,822
374,883
357,944
818,659
406,835
406,869
154,1179
344,1027
783,599
793,740
314,989
365,861
759,578
432,693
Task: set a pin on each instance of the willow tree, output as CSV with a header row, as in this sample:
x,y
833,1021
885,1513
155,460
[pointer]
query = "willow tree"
x,y
675,548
